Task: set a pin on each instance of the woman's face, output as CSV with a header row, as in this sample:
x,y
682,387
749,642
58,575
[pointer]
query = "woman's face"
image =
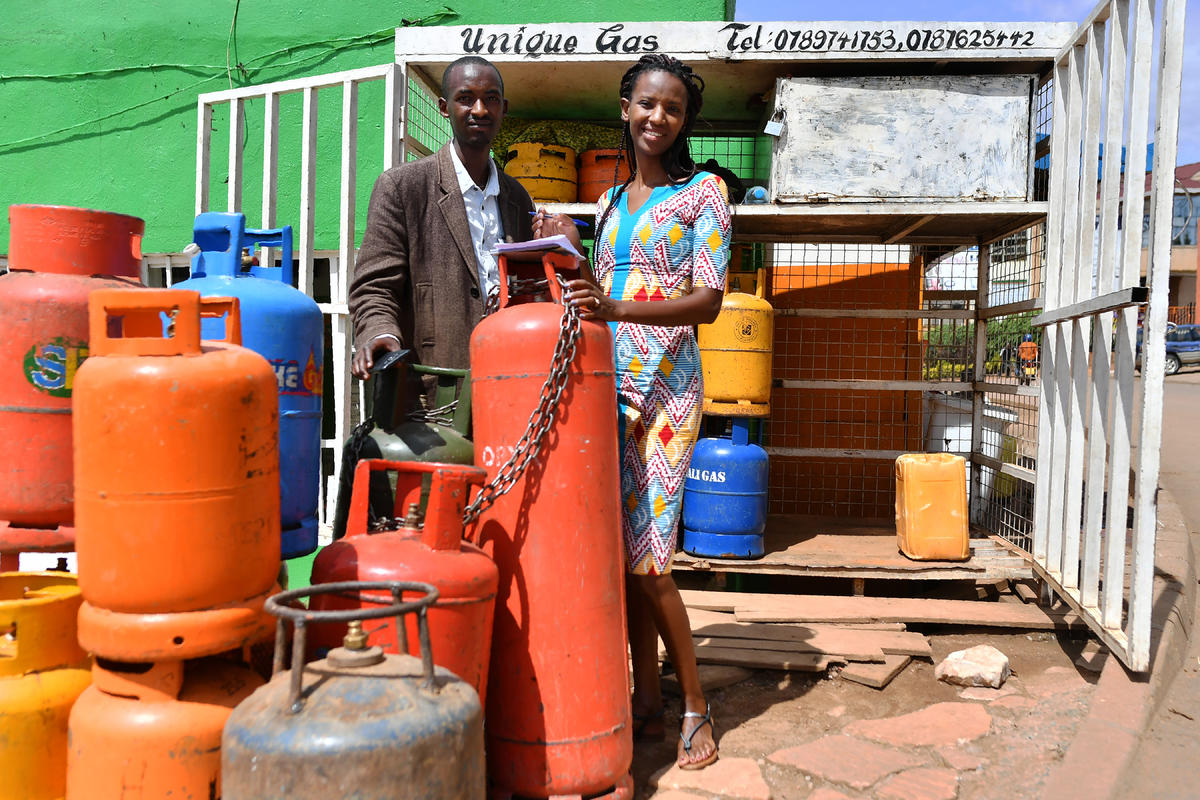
x,y
655,112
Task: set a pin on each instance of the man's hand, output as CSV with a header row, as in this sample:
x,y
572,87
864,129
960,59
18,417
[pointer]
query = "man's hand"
x,y
364,358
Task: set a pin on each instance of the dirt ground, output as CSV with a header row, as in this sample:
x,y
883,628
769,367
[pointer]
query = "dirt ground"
x,y
1033,718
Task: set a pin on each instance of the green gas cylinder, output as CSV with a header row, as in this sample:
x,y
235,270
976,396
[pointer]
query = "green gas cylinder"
x,y
399,427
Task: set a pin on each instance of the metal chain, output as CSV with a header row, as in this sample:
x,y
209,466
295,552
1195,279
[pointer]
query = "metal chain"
x,y
540,421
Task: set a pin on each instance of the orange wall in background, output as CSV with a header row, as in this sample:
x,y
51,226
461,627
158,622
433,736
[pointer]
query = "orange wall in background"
x,y
843,348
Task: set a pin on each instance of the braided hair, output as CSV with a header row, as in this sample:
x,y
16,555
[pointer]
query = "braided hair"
x,y
677,161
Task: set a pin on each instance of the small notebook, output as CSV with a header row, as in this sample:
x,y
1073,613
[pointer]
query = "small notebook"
x,y
559,242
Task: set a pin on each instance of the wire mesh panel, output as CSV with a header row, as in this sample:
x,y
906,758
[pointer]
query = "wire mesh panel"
x,y
868,364
427,130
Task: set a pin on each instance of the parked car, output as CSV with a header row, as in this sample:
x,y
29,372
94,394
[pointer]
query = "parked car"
x,y
1183,347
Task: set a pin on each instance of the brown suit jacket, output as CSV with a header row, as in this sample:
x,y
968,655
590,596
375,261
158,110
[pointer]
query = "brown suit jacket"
x,y
416,276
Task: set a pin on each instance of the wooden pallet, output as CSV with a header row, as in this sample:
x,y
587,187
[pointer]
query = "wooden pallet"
x,y
820,547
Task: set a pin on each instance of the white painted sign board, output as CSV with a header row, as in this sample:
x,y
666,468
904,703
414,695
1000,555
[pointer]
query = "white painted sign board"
x,y
931,138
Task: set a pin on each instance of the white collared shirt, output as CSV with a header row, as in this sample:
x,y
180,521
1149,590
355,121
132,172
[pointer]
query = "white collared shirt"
x,y
483,217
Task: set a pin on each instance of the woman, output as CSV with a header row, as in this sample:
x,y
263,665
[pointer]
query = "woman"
x,y
661,236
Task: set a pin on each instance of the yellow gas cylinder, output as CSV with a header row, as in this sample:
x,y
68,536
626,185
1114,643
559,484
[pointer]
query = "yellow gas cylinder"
x,y
42,672
547,171
735,354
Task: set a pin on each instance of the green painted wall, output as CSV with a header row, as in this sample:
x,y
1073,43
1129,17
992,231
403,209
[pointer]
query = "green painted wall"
x,y
100,97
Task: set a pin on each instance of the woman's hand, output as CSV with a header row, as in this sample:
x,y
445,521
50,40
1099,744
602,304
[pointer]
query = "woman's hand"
x,y
590,300
547,224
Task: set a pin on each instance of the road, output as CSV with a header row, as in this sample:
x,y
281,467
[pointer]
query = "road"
x,y
1165,763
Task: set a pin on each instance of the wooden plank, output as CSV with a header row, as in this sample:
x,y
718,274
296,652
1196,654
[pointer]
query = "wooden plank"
x,y
712,677
823,608
766,659
876,676
848,652
907,609
1025,590
810,638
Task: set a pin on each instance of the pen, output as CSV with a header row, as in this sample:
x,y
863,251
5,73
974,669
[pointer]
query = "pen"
x,y
578,222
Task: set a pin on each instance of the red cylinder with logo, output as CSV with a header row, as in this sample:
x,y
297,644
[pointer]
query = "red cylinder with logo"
x,y
176,462
557,715
57,256
431,550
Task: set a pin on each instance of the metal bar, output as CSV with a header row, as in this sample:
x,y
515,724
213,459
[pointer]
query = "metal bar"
x,y
394,116
203,134
308,189
1112,301
1091,78
1102,328
237,130
907,228
834,452
270,181
340,274
1141,595
1007,388
325,81
1112,601
1060,378
1099,13
977,398
1020,473
873,385
1047,411
1008,309
877,313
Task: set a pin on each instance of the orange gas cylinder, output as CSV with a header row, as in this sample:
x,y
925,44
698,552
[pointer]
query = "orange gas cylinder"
x,y
176,461
430,550
153,730
596,169
42,672
557,714
57,255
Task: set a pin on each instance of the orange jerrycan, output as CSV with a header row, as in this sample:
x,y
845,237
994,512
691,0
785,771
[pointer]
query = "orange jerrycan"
x,y
176,459
42,672
931,507
153,730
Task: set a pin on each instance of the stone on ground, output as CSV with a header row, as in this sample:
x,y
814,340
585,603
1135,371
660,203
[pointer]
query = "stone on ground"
x,y
846,760
728,777
940,723
982,665
929,783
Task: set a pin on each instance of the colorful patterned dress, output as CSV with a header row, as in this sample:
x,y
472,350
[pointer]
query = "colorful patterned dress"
x,y
677,240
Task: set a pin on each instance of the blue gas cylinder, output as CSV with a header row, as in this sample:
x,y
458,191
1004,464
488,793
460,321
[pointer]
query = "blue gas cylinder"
x,y
725,497
283,325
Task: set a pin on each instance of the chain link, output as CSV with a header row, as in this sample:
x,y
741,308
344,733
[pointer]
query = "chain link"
x,y
542,419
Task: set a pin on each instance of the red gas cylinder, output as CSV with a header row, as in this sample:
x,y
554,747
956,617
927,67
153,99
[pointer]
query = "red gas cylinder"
x,y
599,170
57,255
432,551
557,715
176,478
153,730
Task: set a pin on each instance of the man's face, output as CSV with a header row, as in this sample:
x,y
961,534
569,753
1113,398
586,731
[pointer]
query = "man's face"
x,y
474,104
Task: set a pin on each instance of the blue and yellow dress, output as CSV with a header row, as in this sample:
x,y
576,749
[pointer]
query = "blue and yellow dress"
x,y
678,240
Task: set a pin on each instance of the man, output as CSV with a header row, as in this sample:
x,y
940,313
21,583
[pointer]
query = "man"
x,y
1027,354
425,267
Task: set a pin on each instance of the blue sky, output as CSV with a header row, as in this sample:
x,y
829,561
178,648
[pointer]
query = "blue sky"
x,y
994,11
